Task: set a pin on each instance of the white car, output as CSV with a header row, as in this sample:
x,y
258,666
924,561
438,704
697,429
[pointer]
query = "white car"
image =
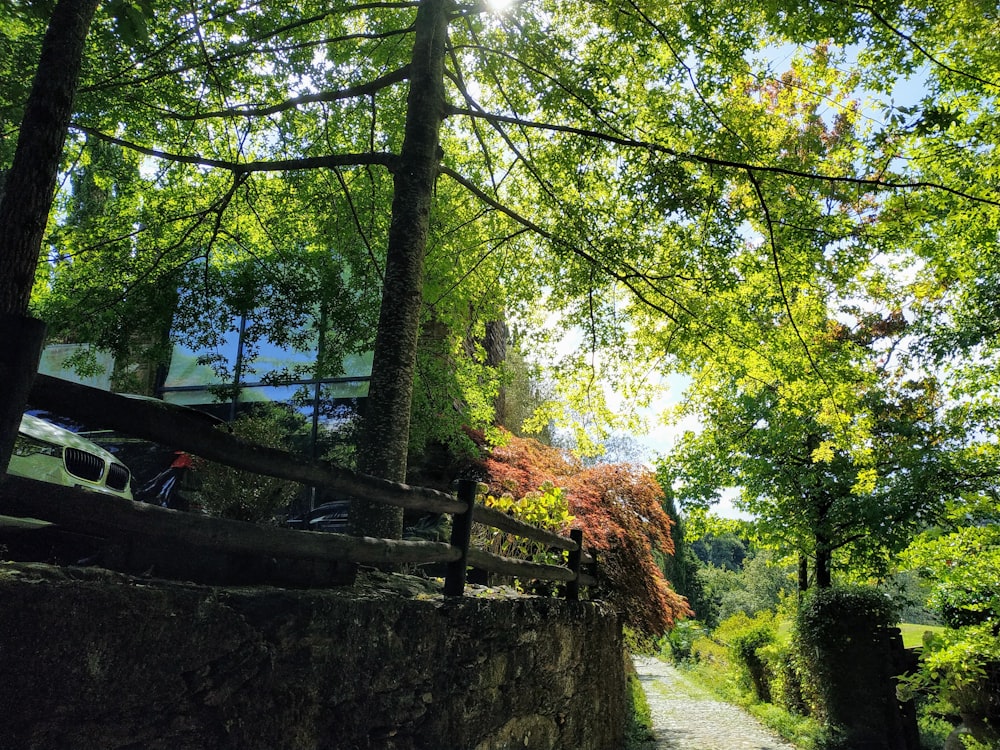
x,y
48,453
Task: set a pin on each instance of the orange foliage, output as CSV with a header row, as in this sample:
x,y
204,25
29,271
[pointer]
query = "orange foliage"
x,y
523,465
619,507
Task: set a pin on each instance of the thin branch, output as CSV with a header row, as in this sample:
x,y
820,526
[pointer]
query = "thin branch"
x,y
773,244
330,161
202,48
482,259
250,46
727,163
527,223
716,115
217,207
631,280
607,118
917,46
357,223
528,163
459,81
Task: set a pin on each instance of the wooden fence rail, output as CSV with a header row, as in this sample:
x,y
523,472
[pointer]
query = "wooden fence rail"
x,y
187,430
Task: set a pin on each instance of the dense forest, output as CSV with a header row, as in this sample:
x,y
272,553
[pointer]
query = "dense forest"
x,y
793,205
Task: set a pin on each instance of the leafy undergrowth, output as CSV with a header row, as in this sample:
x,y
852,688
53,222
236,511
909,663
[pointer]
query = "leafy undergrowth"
x,y
801,731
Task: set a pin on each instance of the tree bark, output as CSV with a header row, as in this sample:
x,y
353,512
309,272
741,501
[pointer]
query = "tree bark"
x,y
21,340
824,559
385,435
26,199
30,184
495,342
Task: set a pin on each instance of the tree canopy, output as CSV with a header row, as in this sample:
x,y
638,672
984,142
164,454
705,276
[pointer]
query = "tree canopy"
x,y
749,193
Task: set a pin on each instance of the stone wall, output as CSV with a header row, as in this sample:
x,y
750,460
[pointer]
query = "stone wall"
x,y
95,660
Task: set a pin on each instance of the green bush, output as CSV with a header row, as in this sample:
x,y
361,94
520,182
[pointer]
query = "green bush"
x,y
680,641
789,683
843,647
545,508
746,638
959,669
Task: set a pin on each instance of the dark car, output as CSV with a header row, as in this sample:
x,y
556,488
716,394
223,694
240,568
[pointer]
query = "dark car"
x,y
331,516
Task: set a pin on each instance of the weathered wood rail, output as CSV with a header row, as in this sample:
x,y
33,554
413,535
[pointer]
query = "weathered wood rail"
x,y
185,429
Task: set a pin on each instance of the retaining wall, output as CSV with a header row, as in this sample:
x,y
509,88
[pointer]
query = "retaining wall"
x,y
96,660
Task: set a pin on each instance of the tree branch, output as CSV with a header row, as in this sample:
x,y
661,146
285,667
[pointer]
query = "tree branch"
x,y
725,163
541,231
241,49
776,262
282,165
357,224
917,46
363,89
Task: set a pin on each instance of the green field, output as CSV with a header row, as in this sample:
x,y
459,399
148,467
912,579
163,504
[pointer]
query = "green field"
x,y
913,635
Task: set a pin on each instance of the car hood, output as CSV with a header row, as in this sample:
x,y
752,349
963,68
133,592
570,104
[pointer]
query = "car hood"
x,y
41,430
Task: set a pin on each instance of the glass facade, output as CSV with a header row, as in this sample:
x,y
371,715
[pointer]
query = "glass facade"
x,y
242,369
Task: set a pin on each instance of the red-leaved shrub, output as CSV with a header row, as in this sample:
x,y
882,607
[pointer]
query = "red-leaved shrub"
x,y
619,507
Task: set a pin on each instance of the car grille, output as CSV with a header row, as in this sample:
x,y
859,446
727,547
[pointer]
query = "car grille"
x,y
84,465
117,477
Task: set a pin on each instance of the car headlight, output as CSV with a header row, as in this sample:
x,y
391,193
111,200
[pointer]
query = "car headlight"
x,y
28,446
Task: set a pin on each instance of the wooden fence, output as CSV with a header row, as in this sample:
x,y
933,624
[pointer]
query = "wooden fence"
x,y
187,430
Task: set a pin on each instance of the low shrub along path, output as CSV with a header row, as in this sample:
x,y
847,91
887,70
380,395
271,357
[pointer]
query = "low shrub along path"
x,y
687,717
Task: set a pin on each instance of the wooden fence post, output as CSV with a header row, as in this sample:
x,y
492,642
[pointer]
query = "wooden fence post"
x,y
461,530
573,587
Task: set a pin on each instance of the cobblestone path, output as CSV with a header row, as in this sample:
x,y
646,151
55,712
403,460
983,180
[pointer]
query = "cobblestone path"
x,y
686,717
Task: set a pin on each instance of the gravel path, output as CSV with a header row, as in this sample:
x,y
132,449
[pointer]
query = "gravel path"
x,y
686,717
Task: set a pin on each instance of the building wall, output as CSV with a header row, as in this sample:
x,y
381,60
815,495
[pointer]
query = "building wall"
x,y
92,659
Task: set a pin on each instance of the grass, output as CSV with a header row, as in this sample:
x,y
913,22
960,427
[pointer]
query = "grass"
x,y
639,732
801,731
913,635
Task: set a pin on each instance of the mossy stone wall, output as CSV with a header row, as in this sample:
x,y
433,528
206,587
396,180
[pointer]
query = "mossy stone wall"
x,y
91,659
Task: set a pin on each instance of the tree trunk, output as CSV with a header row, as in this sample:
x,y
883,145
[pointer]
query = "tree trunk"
x,y
21,340
385,435
27,198
824,578
495,342
30,184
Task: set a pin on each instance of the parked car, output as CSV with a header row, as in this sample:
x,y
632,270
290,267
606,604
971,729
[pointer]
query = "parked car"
x,y
331,516
52,454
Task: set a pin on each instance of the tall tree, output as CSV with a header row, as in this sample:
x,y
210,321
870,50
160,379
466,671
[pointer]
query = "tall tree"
x,y
26,196
29,184
385,437
811,492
